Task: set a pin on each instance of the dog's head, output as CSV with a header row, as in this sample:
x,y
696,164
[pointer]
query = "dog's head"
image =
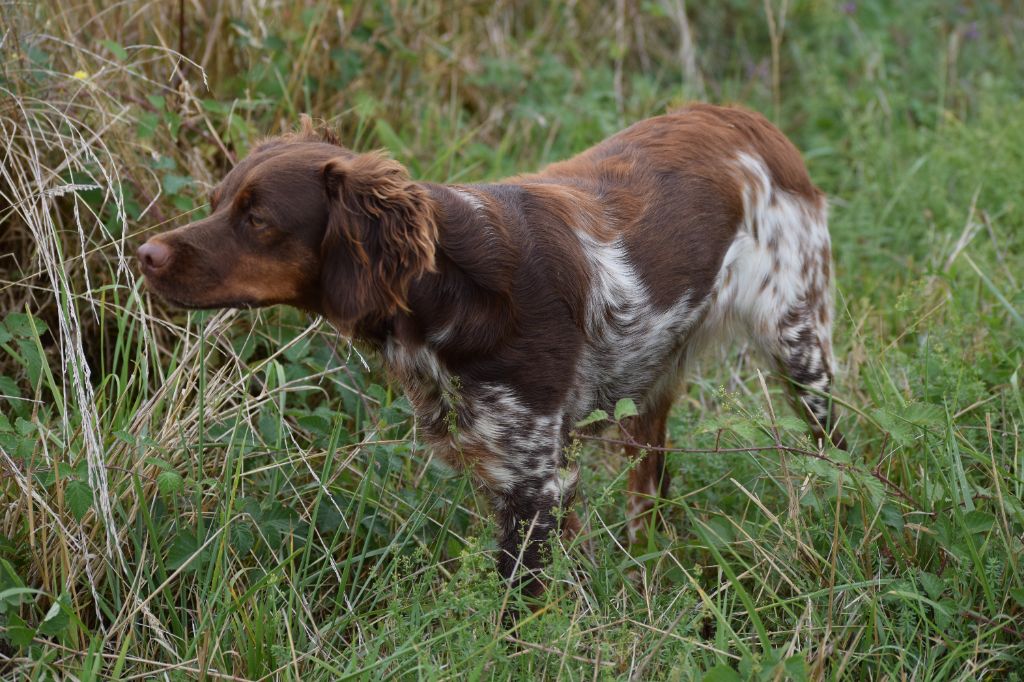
x,y
305,222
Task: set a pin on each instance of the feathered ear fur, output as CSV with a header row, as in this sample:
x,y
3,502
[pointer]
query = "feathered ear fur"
x,y
381,235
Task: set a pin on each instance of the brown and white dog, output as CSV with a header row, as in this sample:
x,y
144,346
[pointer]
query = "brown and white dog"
x,y
509,311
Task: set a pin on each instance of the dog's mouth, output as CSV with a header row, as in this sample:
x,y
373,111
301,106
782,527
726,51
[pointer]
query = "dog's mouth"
x,y
212,305
176,300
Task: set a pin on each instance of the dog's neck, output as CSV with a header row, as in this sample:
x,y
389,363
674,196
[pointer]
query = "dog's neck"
x,y
465,308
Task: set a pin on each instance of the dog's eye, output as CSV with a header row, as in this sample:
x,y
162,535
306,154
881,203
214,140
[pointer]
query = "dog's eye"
x,y
256,222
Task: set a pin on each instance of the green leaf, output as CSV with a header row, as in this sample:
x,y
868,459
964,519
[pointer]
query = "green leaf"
x,y
944,611
175,183
125,437
924,414
242,537
978,521
720,531
721,673
78,496
56,619
595,416
115,48
932,584
17,631
184,546
169,482
893,517
899,430
796,667
625,408
1018,594
23,326
791,423
159,462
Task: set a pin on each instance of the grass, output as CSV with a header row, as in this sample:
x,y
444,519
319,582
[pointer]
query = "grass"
x,y
241,495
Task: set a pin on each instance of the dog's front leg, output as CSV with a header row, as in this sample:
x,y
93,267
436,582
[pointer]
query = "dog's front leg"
x,y
526,517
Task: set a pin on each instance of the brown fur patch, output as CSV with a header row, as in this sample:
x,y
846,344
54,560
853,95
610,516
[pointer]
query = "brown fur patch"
x,y
383,227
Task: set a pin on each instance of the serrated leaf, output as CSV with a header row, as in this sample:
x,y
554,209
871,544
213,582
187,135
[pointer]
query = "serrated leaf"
x,y
791,423
893,517
625,407
924,414
78,496
875,488
22,326
932,584
183,547
17,631
944,611
242,537
125,437
978,521
169,482
8,386
796,667
593,417
746,430
899,430
158,462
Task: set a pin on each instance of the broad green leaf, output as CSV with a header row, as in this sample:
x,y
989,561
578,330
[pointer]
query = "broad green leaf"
x,y
78,496
169,482
791,423
932,584
56,619
978,521
924,414
625,408
796,668
595,416
17,631
721,673
183,547
173,184
898,429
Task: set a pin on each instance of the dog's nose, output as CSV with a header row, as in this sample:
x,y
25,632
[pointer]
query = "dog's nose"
x,y
154,255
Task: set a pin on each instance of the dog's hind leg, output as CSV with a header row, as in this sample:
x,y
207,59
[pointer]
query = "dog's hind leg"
x,y
648,479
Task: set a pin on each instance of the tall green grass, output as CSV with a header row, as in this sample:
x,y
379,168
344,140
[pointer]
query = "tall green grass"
x,y
242,495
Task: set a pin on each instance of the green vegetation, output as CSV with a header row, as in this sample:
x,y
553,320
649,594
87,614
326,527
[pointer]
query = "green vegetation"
x,y
239,495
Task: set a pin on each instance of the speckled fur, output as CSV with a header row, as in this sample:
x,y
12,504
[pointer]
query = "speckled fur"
x,y
509,311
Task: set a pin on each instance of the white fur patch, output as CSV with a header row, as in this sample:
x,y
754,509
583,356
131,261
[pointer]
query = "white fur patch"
x,y
628,341
776,260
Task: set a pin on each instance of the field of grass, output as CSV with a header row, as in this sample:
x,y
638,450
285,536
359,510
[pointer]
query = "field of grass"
x,y
242,495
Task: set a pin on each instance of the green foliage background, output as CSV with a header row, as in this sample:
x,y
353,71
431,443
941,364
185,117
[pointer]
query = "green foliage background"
x,y
241,495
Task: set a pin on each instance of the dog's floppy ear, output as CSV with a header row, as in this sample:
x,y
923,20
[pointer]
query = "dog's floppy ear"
x,y
381,235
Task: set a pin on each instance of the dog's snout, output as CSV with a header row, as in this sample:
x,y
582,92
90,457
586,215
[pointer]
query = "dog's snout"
x,y
154,255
